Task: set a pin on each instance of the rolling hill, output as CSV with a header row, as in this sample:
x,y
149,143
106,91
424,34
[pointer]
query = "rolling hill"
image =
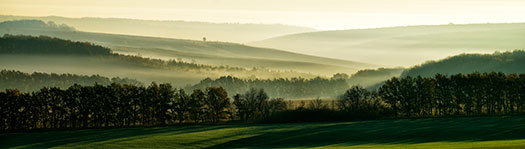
x,y
403,46
506,62
210,53
29,82
232,32
370,77
456,132
53,55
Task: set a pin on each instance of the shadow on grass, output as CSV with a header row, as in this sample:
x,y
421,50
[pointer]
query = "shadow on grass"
x,y
380,132
387,132
86,136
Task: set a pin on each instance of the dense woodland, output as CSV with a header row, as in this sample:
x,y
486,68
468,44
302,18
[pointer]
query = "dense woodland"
x,y
34,24
370,77
301,88
10,44
506,62
293,88
25,82
119,105
461,94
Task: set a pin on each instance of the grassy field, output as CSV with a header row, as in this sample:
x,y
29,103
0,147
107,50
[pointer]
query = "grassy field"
x,y
496,131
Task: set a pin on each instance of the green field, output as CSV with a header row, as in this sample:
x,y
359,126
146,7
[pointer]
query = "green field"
x,y
496,131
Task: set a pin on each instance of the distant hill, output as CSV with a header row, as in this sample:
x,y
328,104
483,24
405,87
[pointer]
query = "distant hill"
x,y
27,82
50,25
403,46
370,77
46,45
53,55
506,62
232,32
290,88
209,53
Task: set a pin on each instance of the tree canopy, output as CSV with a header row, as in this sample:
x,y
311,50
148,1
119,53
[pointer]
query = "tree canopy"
x,y
34,24
118,105
25,82
20,44
281,87
506,62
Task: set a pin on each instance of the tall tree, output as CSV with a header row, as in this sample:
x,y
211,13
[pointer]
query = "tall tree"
x,y
217,102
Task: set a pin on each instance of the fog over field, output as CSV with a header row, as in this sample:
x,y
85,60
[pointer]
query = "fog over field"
x,y
228,32
262,74
209,52
403,46
92,66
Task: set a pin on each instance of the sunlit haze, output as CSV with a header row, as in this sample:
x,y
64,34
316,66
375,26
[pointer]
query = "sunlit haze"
x,y
262,74
319,14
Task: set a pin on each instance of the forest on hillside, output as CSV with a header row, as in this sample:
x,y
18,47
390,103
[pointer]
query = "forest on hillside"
x,y
370,77
26,82
292,88
302,88
34,24
506,62
11,44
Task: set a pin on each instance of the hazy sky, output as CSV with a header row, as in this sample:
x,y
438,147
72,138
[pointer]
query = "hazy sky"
x,y
320,14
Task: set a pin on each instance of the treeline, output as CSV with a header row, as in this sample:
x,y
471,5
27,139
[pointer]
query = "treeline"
x,y
292,88
370,77
26,82
113,105
455,95
506,62
176,64
119,105
34,24
460,94
11,44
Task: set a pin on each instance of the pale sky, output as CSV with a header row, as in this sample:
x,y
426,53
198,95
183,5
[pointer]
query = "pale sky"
x,y
319,14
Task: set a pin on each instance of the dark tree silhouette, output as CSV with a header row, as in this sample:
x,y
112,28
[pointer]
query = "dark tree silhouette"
x,y
119,105
217,102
